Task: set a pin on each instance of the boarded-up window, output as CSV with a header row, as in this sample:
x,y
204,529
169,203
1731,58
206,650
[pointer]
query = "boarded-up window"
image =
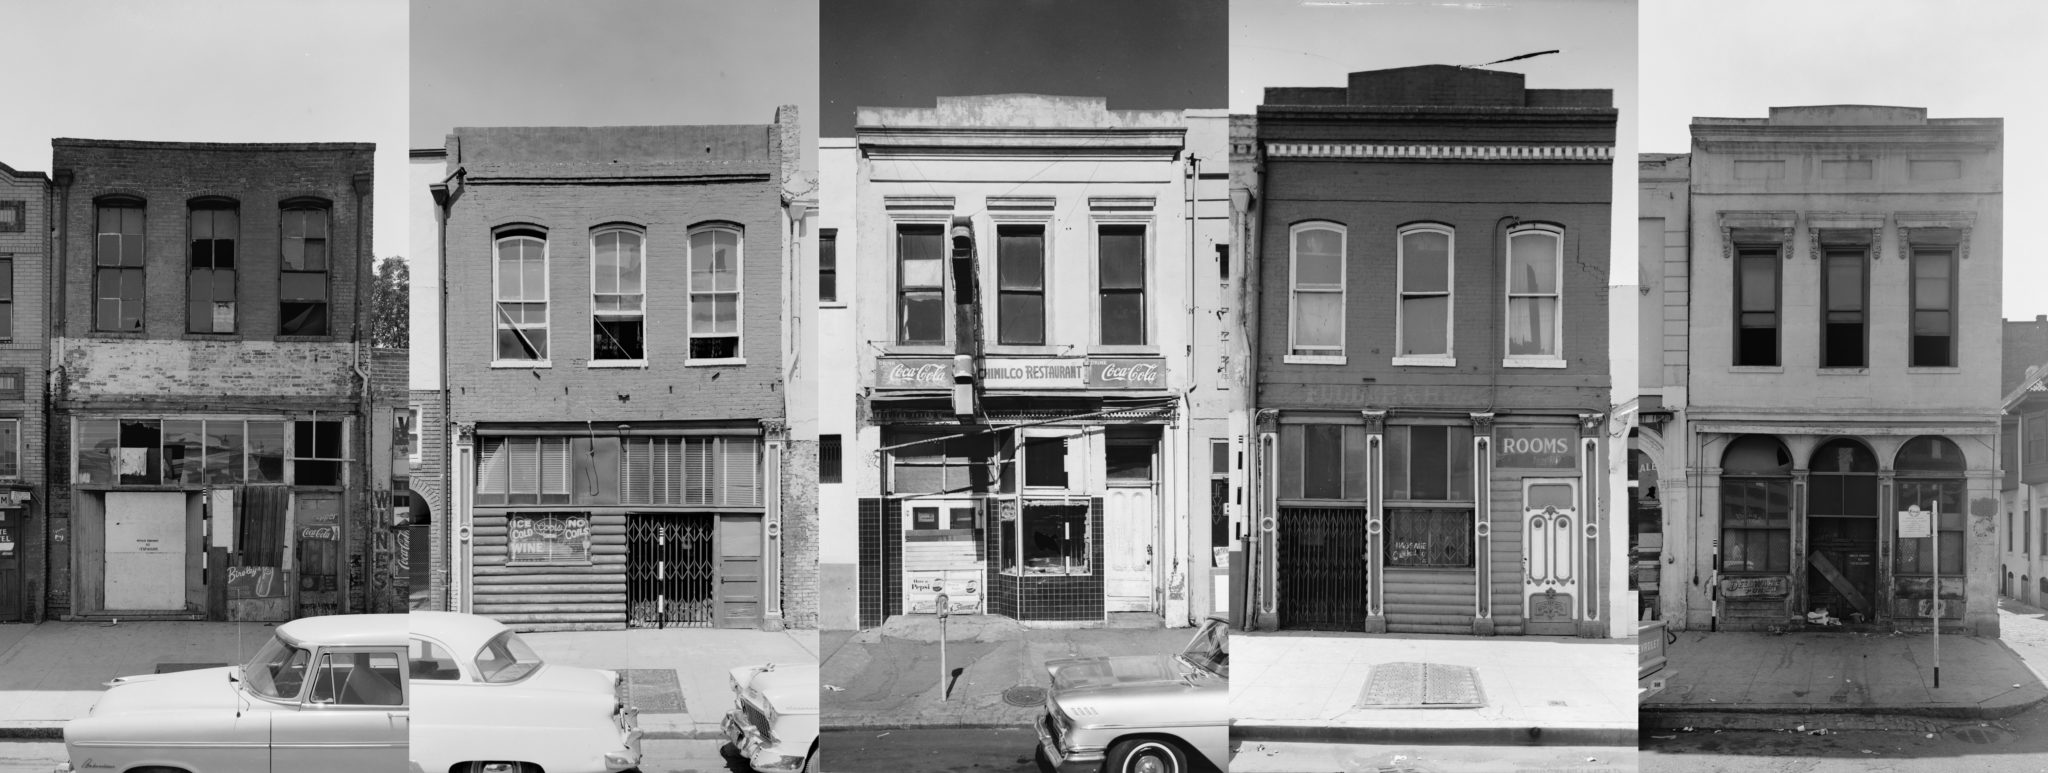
x,y
523,471
548,538
713,472
1440,538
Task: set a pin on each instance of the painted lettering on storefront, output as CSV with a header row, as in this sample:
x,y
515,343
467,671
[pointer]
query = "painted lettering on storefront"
x,y
1539,447
914,373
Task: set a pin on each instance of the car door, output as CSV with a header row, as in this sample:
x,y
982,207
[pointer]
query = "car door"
x,y
354,716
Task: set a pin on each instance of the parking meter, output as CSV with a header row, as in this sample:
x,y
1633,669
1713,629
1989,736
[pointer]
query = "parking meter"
x,y
945,675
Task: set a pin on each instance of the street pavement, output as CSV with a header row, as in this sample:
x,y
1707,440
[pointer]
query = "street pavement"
x,y
889,676
52,672
1856,743
1536,689
1762,681
1321,757
930,750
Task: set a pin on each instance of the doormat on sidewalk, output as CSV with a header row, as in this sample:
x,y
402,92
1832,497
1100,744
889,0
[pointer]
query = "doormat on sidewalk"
x,y
654,690
1422,686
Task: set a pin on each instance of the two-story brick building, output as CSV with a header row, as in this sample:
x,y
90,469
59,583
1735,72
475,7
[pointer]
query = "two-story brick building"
x,y
208,394
615,372
1033,275
24,362
1835,326
1431,356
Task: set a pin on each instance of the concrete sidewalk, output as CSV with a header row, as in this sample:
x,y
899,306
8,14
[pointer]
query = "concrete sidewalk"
x,y
700,658
889,676
53,672
1552,690
1752,680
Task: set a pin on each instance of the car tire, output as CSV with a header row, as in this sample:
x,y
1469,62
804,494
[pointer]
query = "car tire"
x,y
517,767
1146,755
811,760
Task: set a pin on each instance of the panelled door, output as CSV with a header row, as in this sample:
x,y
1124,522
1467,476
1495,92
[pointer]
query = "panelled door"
x,y
1128,523
1552,562
740,586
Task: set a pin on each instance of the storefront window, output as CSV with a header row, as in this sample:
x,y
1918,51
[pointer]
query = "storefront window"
x,y
1437,538
1322,461
1053,539
1045,462
1930,471
951,465
1431,463
1756,506
549,538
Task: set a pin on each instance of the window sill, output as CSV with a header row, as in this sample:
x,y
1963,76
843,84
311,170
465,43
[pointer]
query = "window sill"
x,y
1024,350
1427,361
1756,369
1845,371
1940,369
1533,363
729,361
522,364
1314,359
281,338
137,334
616,364
920,349
191,335
831,304
1111,350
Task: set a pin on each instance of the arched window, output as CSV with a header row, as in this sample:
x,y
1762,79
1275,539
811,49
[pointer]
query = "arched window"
x,y
1930,479
1535,294
1316,292
213,230
119,264
521,279
302,280
715,259
618,300
1427,255
1843,480
1756,506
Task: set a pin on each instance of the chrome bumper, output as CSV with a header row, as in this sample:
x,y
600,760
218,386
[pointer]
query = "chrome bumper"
x,y
1063,760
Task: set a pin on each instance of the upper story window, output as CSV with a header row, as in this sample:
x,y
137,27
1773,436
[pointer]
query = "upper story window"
x,y
715,293
302,280
920,285
828,265
1316,322
1535,296
1426,303
10,448
1020,285
118,266
618,302
1934,303
521,312
6,297
1120,281
1845,290
1756,304
409,432
213,228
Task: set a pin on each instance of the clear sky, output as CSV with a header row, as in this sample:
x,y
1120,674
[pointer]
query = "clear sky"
x,y
1139,54
612,63
219,71
1319,42
1958,59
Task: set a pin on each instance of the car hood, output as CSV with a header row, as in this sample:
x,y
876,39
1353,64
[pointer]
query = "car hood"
x,y
787,688
1072,674
1137,690
555,695
179,691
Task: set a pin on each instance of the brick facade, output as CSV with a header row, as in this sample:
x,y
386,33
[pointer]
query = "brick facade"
x,y
24,356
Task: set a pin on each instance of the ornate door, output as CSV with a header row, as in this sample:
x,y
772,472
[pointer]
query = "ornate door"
x,y
1552,559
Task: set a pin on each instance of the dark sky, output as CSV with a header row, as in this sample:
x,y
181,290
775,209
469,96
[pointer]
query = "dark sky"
x,y
1141,54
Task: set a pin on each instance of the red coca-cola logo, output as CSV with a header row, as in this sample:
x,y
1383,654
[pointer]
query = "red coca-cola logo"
x,y
1134,373
929,373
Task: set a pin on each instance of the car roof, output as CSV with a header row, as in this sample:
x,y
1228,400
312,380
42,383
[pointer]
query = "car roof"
x,y
464,633
347,630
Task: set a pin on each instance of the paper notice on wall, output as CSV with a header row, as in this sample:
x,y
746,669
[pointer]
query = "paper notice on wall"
x,y
224,518
223,317
132,461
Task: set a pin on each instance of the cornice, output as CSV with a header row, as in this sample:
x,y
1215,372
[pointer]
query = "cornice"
x,y
971,141
1437,152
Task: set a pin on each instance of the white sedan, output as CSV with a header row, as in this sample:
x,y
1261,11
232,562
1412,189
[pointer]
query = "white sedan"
x,y
484,702
324,694
774,719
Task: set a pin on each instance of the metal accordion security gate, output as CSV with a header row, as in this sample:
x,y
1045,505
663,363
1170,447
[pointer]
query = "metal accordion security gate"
x,y
1322,563
671,570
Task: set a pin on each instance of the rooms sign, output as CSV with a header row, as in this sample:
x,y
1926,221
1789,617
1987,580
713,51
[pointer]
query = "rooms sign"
x,y
1549,448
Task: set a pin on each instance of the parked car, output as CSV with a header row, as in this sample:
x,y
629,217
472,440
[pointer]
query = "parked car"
x,y
485,702
1651,672
1142,713
774,720
324,694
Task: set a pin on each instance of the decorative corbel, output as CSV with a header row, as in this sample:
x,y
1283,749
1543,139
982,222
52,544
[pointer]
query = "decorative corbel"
x,y
1375,420
1482,423
1589,423
465,432
1268,420
774,429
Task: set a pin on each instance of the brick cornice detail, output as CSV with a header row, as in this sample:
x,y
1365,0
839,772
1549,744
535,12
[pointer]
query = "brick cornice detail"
x,y
1421,152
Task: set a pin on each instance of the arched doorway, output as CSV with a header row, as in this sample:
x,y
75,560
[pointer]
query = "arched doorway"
x,y
1930,479
1756,530
1841,531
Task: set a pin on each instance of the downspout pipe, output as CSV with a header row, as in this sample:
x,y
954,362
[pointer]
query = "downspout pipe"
x,y
1185,481
365,405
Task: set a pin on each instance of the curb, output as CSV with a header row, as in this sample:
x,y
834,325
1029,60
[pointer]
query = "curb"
x,y
1241,732
932,726
1744,717
698,734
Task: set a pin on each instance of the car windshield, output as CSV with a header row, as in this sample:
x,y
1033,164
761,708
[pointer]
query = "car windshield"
x,y
506,659
278,670
1210,649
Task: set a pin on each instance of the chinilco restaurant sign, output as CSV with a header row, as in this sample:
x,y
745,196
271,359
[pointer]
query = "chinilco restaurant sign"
x,y
1027,373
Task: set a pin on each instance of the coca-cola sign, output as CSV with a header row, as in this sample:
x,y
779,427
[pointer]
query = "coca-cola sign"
x,y
919,373
1128,374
